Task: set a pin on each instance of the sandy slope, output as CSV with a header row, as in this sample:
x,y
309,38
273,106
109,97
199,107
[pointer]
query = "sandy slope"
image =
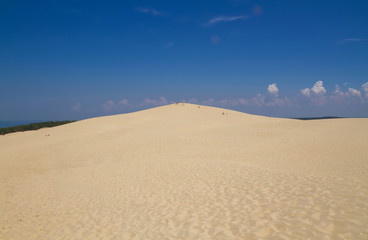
x,y
186,172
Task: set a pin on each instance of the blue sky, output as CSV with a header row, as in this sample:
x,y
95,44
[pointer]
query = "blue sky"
x,y
80,59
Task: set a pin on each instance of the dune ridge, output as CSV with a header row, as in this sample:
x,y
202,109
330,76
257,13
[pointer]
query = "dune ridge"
x,y
185,171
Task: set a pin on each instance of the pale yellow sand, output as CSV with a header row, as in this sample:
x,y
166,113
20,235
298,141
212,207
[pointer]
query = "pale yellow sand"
x,y
186,172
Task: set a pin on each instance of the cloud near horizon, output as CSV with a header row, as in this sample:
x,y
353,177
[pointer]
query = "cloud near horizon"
x,y
270,99
154,102
124,102
108,105
365,89
316,95
352,95
273,89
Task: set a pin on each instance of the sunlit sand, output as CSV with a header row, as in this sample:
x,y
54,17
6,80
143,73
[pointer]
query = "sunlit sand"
x,y
185,171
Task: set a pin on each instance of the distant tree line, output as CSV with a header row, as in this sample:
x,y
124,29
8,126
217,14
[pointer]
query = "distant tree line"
x,y
32,126
318,118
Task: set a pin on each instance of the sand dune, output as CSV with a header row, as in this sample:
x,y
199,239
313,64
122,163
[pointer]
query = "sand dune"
x,y
185,171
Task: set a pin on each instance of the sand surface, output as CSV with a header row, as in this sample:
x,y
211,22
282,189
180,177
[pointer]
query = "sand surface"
x,y
186,172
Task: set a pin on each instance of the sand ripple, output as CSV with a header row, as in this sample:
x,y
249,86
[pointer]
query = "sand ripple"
x,y
211,183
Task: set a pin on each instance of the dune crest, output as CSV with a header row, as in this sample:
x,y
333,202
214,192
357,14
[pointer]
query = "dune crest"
x,y
186,171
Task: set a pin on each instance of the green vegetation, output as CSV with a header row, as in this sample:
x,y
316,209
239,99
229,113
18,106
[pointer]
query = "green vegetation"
x,y
32,126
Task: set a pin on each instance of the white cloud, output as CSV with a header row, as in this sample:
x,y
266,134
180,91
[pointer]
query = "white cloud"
x,y
350,96
278,102
337,95
273,89
318,88
259,100
155,102
152,11
77,107
192,100
273,97
124,102
337,89
209,101
270,99
316,93
225,19
319,101
305,92
243,101
108,105
224,102
233,102
365,89
354,93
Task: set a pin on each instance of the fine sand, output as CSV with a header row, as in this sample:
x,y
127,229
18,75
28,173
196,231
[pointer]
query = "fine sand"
x,y
185,171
